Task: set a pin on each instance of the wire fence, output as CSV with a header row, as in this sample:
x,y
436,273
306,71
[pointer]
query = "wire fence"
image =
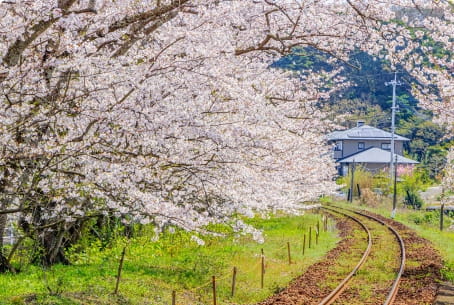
x,y
208,292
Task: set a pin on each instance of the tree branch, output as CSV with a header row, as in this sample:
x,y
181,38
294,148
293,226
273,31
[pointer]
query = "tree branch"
x,y
15,51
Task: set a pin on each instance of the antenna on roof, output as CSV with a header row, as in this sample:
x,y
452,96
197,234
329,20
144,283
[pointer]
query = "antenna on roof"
x,y
394,83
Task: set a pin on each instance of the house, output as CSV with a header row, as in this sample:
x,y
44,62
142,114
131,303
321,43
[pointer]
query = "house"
x,y
368,146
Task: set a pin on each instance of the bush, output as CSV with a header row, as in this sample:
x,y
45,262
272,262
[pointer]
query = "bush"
x,y
431,218
413,199
362,177
410,186
369,198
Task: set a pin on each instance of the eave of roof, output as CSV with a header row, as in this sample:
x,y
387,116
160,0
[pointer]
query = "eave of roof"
x,y
375,155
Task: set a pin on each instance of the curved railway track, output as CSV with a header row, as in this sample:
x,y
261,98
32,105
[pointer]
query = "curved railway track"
x,y
336,293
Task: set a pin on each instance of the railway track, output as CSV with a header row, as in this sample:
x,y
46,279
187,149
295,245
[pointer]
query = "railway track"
x,y
337,292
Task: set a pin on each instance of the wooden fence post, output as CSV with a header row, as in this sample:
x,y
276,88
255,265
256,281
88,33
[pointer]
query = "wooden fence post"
x,y
262,279
442,214
120,268
174,297
288,251
304,243
214,289
233,281
310,237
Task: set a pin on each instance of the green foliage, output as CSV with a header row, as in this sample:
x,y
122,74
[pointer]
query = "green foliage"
x,y
427,144
326,199
370,100
434,161
409,187
413,199
366,180
367,72
431,218
153,268
448,271
34,299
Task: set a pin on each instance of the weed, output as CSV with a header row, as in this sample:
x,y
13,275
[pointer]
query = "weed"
x,y
153,268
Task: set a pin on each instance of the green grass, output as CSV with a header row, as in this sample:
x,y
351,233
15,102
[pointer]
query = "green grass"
x,y
347,260
378,271
426,224
152,269
375,274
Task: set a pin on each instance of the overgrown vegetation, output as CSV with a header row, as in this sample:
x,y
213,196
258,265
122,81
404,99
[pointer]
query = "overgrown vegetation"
x,y
370,188
153,268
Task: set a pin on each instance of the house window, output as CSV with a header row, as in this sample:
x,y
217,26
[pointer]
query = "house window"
x,y
338,146
361,145
386,146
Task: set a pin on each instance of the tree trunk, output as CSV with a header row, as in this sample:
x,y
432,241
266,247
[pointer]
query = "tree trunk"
x,y
4,265
3,219
53,242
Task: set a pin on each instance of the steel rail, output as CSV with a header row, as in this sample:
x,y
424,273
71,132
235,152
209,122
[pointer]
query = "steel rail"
x,y
395,287
338,290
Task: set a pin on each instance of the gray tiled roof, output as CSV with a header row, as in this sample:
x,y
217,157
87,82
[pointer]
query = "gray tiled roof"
x,y
375,155
364,132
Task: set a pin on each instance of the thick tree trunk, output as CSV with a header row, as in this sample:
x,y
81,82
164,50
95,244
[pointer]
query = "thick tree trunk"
x,y
53,242
53,248
3,219
4,264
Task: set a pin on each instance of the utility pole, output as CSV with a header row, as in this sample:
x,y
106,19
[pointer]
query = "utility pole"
x,y
394,83
393,213
442,208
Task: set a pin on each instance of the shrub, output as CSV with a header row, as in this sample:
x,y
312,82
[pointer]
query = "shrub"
x,y
412,199
369,198
362,177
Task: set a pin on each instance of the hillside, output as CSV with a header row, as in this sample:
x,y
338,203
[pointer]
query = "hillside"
x,y
367,97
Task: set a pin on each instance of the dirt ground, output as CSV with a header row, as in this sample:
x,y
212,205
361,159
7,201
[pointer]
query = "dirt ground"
x,y
305,289
419,284
421,278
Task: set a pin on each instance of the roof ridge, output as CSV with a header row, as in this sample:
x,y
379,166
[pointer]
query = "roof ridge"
x,y
364,132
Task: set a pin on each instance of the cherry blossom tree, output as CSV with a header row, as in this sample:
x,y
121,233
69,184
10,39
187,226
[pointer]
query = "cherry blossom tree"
x,y
436,88
167,111
448,179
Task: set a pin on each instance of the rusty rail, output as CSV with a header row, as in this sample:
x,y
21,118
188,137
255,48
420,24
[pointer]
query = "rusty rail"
x,y
395,287
338,290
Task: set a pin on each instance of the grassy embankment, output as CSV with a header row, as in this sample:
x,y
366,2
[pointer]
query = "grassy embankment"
x,y
152,269
426,224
